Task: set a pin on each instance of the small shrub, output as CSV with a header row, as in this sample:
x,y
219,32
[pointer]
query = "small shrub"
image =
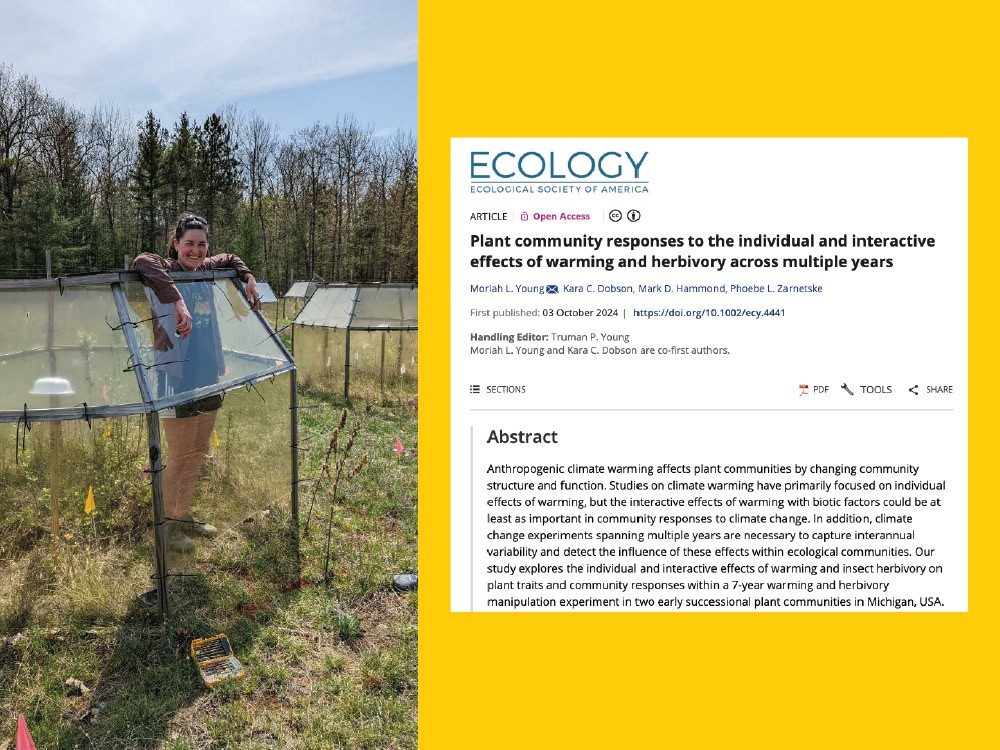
x,y
348,626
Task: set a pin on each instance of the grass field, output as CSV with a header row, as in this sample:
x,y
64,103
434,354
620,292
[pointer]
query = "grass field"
x,y
329,663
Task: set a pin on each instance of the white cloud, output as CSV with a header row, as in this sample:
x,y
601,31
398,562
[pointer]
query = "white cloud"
x,y
158,55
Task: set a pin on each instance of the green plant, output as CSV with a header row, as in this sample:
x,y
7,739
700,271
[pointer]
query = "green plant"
x,y
348,626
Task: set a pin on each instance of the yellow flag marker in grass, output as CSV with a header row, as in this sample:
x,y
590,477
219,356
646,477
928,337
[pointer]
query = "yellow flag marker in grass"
x,y
107,429
215,440
90,506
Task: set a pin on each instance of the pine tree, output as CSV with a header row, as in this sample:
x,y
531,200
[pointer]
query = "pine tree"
x,y
38,226
218,180
148,181
181,168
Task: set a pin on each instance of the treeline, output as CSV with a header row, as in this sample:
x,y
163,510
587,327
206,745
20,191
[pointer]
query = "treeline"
x,y
96,189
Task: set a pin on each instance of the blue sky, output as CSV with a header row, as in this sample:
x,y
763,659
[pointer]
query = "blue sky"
x,y
293,62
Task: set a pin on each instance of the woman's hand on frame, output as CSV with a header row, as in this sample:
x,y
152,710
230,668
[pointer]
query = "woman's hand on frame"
x,y
252,294
182,319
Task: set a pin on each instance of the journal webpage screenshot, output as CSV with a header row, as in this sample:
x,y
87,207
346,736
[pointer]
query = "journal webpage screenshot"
x,y
709,375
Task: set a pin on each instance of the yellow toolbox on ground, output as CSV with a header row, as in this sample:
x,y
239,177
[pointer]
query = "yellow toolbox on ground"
x,y
215,660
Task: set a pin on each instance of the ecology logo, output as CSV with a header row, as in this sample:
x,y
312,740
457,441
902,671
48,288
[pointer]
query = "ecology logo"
x,y
552,165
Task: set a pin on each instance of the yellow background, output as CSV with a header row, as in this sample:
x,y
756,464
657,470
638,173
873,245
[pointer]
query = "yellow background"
x,y
706,680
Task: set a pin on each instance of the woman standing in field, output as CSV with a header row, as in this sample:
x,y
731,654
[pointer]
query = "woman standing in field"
x,y
195,360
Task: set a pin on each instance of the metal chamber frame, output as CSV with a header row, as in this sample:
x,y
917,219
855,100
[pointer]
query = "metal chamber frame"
x,y
351,323
151,406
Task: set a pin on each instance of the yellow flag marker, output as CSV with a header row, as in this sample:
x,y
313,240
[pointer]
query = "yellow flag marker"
x,y
90,506
215,440
107,429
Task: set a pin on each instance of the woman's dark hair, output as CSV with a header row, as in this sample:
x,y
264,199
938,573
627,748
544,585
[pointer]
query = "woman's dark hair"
x,y
184,223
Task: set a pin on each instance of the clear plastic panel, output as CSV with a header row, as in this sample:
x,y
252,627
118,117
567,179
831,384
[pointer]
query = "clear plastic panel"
x,y
329,306
231,469
319,358
379,360
266,293
270,311
228,343
60,566
383,359
60,350
291,306
298,289
386,307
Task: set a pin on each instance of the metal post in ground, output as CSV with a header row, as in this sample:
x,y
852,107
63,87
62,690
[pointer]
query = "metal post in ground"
x,y
294,401
347,363
381,367
159,517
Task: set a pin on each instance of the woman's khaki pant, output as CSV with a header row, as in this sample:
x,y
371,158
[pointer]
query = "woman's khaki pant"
x,y
187,445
